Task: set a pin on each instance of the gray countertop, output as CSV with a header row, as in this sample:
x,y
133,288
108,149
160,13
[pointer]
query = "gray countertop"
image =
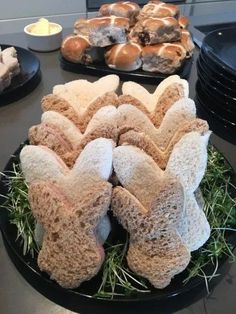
x,y
16,295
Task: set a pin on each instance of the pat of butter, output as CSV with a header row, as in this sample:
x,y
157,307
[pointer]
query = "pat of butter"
x,y
43,27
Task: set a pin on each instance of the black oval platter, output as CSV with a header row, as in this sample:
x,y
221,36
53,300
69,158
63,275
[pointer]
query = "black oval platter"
x,y
26,81
139,75
81,300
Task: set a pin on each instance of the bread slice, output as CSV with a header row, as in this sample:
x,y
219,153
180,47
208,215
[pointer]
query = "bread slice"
x,y
188,160
71,206
167,92
156,250
198,229
70,252
190,170
80,93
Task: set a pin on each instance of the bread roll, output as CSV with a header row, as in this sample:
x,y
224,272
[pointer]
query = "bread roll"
x,y
156,30
77,49
125,57
126,9
103,31
187,42
158,9
183,21
163,58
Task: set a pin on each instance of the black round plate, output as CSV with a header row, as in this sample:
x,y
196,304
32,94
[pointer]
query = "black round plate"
x,y
219,74
221,45
100,69
213,80
174,297
26,81
214,96
220,126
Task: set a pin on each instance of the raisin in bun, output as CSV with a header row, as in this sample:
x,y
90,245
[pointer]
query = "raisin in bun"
x,y
155,30
158,9
125,57
163,58
77,49
126,9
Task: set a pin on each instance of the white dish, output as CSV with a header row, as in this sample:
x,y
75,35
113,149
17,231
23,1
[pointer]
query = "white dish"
x,y
43,43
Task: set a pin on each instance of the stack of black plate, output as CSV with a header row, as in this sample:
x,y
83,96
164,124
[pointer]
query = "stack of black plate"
x,y
216,85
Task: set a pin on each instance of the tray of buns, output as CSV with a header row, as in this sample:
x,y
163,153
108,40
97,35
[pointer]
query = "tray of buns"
x,y
107,204
19,73
147,44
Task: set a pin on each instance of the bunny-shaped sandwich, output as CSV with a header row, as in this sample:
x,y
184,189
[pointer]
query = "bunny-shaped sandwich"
x,y
70,205
80,99
136,129
155,105
62,136
151,205
188,162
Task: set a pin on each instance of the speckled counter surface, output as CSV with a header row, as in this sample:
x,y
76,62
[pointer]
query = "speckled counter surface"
x,y
16,295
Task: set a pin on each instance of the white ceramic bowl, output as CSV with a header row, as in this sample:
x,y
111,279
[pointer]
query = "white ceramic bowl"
x,y
43,42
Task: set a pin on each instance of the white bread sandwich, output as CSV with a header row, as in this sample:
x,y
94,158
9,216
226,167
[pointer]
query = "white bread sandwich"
x,y
70,205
